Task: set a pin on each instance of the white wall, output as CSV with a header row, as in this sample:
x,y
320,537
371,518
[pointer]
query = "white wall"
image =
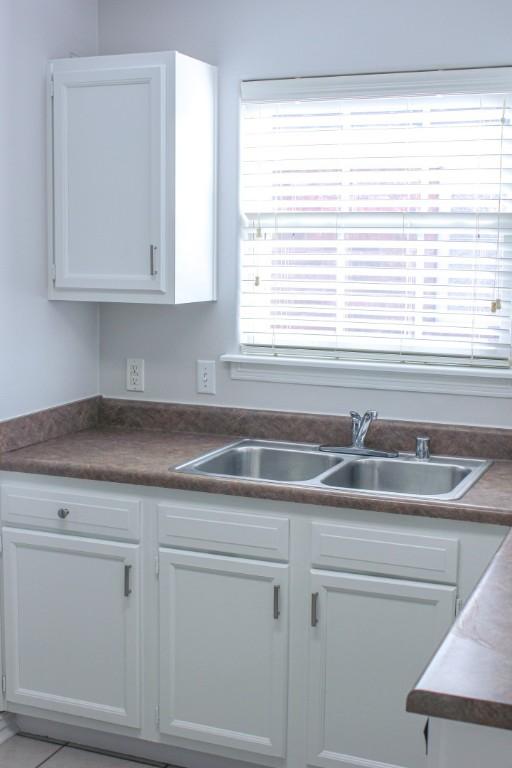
x,y
48,350
277,38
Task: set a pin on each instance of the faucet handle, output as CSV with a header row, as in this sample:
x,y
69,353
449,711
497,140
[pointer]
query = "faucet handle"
x,y
356,423
371,414
423,447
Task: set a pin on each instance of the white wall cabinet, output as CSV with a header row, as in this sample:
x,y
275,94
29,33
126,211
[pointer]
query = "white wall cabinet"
x,y
370,639
72,625
224,650
132,142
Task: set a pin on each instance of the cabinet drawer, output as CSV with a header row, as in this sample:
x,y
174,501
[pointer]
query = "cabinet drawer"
x,y
391,553
112,517
213,530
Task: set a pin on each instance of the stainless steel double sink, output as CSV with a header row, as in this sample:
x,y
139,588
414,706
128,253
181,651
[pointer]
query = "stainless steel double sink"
x,y
440,477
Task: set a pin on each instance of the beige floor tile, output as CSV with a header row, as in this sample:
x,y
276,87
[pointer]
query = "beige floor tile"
x,y
69,757
20,752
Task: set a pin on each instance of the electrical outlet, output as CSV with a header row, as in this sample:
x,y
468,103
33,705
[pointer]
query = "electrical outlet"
x,y
135,374
205,373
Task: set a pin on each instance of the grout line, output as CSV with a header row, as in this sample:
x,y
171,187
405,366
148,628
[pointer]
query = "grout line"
x,y
50,757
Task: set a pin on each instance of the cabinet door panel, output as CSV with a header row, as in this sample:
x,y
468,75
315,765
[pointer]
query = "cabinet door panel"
x,y
223,651
109,178
72,635
373,638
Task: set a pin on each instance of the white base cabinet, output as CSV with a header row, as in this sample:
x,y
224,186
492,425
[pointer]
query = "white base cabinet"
x,y
215,626
72,625
370,637
465,745
224,651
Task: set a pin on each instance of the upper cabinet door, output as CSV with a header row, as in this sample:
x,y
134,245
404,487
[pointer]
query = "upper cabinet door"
x,y
132,179
109,178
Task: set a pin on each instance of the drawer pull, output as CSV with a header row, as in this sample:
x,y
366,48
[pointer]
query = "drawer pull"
x,y
277,610
314,609
127,588
63,513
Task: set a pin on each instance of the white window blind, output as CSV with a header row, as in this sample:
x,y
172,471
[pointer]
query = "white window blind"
x,y
378,226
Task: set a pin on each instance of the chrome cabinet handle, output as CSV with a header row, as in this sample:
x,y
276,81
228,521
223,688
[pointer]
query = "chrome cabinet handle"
x,y
152,259
127,588
314,609
277,610
63,512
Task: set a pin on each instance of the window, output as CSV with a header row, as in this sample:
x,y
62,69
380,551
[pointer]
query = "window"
x,y
377,217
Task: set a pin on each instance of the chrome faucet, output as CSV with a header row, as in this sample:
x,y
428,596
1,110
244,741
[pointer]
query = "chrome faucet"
x,y
423,448
360,426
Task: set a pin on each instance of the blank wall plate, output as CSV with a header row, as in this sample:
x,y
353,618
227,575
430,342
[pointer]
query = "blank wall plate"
x,y
135,374
205,374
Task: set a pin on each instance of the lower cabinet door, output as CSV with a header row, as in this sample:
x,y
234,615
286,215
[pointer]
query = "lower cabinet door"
x,y
370,639
72,625
223,650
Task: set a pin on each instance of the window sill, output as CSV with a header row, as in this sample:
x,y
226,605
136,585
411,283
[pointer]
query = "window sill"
x,y
437,379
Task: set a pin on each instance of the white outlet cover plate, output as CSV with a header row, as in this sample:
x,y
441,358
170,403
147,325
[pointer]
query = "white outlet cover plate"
x,y
135,374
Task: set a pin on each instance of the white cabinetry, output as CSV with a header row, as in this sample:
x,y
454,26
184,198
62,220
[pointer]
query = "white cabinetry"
x,y
223,650
247,630
133,182
72,625
370,640
466,745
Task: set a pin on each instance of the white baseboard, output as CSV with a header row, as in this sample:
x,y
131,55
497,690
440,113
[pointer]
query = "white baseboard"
x,y
125,745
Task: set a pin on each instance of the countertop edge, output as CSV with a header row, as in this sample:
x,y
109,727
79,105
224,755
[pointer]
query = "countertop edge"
x,y
477,652
494,714
183,481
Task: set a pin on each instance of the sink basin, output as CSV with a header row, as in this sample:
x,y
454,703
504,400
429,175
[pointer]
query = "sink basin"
x,y
415,478
441,477
260,461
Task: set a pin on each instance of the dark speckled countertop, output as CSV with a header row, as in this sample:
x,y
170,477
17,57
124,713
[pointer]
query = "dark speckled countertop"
x,y
470,677
147,457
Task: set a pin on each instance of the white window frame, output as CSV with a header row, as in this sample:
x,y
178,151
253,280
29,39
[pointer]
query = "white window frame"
x,y
400,376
